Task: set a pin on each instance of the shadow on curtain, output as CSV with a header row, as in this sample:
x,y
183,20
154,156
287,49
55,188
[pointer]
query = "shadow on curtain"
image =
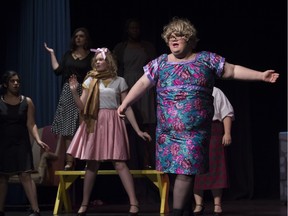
x,y
42,21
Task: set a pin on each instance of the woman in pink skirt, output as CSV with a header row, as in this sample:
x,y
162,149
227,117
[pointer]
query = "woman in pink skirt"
x,y
102,135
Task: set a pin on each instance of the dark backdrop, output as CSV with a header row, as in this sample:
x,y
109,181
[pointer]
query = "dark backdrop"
x,y
249,33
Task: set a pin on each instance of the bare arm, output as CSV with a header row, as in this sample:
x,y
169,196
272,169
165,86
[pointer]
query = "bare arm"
x,y
131,117
137,90
80,101
31,125
227,122
54,61
239,72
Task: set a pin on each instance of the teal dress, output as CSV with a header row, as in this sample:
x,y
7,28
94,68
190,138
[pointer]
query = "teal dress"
x,y
184,111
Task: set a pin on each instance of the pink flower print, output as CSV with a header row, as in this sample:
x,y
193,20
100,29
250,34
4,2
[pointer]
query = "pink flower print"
x,y
181,95
185,75
172,112
174,149
162,139
178,125
189,142
185,164
179,171
177,82
201,81
177,158
170,121
196,75
188,107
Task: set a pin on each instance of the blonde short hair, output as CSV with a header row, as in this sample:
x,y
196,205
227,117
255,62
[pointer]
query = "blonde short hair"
x,y
180,27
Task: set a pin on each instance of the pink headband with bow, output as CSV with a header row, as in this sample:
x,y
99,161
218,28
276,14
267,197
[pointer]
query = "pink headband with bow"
x,y
100,50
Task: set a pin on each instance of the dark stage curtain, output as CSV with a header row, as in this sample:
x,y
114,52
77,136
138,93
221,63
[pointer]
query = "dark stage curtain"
x,y
36,22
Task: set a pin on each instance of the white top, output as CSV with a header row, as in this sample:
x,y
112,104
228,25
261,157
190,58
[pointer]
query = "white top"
x,y
110,96
222,106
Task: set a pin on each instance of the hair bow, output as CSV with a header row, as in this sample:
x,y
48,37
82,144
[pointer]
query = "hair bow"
x,y
100,50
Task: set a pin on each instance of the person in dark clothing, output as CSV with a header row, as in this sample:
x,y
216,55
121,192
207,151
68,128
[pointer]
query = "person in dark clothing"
x,y
17,121
75,61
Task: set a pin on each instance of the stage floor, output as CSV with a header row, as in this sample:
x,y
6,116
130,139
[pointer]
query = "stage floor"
x,y
230,208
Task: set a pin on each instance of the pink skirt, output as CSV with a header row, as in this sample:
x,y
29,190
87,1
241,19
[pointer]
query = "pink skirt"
x,y
108,142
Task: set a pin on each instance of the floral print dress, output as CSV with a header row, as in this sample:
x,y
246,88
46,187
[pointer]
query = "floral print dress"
x,y
184,111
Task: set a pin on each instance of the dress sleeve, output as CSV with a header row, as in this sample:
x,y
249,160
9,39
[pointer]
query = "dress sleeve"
x,y
152,69
122,84
217,63
87,82
61,68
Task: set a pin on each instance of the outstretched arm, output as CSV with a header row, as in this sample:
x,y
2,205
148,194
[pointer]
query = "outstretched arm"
x,y
137,90
54,61
239,72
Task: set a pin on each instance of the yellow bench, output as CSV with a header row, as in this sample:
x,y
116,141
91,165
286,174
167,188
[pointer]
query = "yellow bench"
x,y
160,179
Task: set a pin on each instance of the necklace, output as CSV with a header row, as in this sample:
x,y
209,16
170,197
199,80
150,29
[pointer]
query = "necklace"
x,y
106,82
77,56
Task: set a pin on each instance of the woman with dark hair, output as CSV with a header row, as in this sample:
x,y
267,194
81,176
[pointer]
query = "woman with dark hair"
x,y
16,122
75,61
